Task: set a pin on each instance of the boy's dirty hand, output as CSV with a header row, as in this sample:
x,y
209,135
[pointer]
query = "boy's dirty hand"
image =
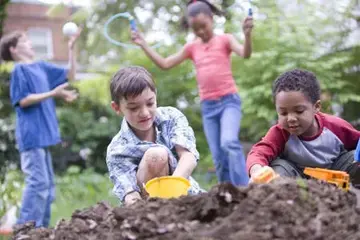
x,y
137,38
263,174
248,25
132,198
254,172
74,38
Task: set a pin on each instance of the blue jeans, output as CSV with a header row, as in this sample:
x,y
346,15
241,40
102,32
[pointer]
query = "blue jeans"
x,y
39,190
221,122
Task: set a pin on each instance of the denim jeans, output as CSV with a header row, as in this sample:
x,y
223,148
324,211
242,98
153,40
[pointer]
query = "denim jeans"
x,y
39,190
344,162
221,123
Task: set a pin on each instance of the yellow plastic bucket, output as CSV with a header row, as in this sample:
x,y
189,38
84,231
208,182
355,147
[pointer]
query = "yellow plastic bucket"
x,y
167,187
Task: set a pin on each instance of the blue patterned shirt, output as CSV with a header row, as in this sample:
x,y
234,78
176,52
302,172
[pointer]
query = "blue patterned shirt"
x,y
126,150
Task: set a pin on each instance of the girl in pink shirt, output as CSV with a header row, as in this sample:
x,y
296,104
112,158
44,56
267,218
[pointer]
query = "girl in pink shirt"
x,y
220,102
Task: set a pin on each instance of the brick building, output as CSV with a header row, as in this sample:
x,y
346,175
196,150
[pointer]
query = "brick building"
x,y
45,33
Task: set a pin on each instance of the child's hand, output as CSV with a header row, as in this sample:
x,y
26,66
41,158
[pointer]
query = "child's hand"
x,y
254,171
69,95
137,38
132,198
61,92
74,38
56,92
248,25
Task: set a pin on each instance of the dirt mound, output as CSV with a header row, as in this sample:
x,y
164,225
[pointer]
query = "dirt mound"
x,y
284,209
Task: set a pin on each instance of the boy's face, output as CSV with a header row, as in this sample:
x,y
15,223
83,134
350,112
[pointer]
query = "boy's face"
x,y
296,113
139,111
23,48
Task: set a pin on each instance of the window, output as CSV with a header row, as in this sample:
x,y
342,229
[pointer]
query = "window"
x,y
41,39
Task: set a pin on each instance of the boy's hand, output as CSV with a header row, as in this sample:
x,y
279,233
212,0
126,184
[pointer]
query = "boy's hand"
x,y
74,38
254,171
248,25
132,198
61,92
137,38
69,95
56,92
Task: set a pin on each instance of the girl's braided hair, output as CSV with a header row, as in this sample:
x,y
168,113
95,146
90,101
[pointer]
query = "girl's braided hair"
x,y
195,7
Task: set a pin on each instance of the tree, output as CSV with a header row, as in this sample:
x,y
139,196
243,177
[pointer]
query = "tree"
x,y
310,35
3,5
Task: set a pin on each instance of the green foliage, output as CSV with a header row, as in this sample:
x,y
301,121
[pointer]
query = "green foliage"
x,y
89,125
283,39
56,10
10,190
8,151
313,36
5,104
3,14
74,190
283,42
78,190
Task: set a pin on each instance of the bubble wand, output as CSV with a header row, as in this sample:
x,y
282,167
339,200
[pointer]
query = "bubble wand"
x,y
133,27
250,9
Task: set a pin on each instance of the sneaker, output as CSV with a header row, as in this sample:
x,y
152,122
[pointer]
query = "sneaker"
x,y
6,231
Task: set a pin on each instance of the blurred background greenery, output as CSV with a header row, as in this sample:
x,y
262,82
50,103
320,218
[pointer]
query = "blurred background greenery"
x,y
316,35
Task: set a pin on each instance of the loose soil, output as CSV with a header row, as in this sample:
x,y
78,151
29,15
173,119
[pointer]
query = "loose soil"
x,y
285,209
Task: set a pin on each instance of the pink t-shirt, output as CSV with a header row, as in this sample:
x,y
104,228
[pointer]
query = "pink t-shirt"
x,y
213,66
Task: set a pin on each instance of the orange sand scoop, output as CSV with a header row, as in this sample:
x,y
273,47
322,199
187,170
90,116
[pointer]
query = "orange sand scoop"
x,y
338,178
265,175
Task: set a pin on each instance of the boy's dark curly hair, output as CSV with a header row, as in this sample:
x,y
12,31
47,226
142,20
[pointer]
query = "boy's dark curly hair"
x,y
298,80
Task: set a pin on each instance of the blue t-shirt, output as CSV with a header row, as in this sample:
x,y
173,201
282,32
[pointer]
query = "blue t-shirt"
x,y
36,125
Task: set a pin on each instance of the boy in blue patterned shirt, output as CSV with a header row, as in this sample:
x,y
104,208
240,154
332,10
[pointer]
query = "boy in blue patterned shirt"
x,y
152,142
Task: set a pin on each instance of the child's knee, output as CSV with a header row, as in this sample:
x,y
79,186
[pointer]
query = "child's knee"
x,y
156,157
285,169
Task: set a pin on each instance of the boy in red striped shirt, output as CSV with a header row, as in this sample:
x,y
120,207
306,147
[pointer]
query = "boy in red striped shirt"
x,y
304,136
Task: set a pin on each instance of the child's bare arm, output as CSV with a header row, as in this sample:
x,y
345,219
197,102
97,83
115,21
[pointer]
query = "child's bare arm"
x,y
35,98
241,50
246,49
266,150
72,55
60,91
187,162
163,63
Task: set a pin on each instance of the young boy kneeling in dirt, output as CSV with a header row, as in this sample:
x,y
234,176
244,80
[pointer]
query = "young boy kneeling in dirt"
x,y
152,142
304,137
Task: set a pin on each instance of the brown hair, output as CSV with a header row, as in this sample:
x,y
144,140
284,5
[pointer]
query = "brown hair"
x,y
130,81
8,41
195,7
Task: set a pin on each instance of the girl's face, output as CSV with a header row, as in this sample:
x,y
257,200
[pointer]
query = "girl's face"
x,y
202,26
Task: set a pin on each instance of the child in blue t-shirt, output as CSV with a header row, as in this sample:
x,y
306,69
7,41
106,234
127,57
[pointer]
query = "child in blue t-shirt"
x,y
33,86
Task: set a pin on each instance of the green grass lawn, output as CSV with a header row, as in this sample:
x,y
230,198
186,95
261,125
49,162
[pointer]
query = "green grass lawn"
x,y
77,190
